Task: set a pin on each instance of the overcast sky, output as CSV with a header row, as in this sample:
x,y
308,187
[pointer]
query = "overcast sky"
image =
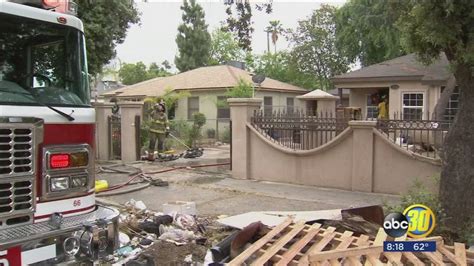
x,y
154,39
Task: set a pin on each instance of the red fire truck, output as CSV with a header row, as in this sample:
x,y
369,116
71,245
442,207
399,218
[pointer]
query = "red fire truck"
x,y
48,211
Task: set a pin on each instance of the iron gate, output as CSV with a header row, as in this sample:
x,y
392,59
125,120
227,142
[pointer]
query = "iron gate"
x,y
115,134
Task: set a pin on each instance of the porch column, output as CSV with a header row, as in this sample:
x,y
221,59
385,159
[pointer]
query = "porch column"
x,y
362,155
241,111
128,139
102,112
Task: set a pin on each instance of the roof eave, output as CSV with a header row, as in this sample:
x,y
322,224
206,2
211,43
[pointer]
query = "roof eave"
x,y
375,79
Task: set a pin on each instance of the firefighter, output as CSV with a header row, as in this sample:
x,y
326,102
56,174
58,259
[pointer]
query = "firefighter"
x,y
159,130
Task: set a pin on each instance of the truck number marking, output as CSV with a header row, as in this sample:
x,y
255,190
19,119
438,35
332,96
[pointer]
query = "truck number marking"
x,y
76,203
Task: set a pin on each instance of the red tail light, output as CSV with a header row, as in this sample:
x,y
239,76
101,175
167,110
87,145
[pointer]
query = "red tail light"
x,y
60,6
59,161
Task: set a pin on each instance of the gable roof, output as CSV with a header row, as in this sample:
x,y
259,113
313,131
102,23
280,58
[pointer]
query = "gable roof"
x,y
204,78
401,68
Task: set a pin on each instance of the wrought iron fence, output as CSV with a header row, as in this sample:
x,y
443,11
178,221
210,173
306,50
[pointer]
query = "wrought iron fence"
x,y
298,129
424,137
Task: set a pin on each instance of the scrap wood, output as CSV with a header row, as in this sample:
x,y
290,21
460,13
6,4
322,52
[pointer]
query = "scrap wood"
x,y
289,244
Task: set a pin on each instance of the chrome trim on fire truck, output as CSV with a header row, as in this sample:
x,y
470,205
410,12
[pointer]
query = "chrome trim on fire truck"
x,y
19,138
17,235
66,172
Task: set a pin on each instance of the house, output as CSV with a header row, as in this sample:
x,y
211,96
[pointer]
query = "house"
x,y
412,88
207,86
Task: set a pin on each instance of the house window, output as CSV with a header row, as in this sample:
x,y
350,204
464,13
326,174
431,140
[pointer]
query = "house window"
x,y
453,105
413,106
290,105
371,108
193,106
223,110
267,105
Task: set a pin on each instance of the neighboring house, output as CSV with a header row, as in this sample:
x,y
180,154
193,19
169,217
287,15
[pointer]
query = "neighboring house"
x,y
412,88
207,86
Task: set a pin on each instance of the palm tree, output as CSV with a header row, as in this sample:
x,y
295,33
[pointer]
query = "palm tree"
x,y
275,29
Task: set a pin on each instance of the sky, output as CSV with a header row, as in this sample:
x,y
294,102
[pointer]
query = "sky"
x,y
154,39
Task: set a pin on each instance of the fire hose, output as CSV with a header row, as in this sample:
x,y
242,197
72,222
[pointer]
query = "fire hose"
x,y
146,177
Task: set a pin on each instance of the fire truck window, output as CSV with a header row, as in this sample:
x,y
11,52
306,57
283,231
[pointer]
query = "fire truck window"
x,y
43,59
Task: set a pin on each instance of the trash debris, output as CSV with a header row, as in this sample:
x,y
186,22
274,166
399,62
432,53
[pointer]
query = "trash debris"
x,y
124,251
178,236
273,218
146,242
136,205
124,239
189,258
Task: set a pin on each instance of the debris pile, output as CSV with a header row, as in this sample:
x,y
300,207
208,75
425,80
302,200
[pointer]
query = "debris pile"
x,y
140,229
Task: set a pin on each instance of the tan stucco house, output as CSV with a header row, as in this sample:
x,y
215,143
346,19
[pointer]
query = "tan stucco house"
x,y
412,88
207,86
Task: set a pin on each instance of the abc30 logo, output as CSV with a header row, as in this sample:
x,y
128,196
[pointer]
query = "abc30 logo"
x,y
417,221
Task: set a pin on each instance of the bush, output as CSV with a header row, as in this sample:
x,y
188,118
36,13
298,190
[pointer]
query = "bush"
x,y
226,135
199,119
211,133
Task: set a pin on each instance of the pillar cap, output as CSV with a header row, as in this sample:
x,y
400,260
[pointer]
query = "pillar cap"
x,y
362,124
102,104
244,101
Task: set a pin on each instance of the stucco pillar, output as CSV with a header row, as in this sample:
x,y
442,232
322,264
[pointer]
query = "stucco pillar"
x,y
241,111
102,112
363,155
128,111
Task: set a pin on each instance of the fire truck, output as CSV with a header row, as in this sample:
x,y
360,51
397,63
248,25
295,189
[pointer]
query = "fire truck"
x,y
48,212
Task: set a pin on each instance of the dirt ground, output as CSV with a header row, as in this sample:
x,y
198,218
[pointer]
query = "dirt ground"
x,y
216,193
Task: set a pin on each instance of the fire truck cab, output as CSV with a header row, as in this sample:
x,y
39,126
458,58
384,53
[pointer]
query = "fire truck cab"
x,y
48,212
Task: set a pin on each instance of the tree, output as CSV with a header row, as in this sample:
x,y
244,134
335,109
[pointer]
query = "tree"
x,y
243,89
224,48
134,73
105,25
193,39
242,25
366,32
430,28
275,29
282,67
155,70
314,46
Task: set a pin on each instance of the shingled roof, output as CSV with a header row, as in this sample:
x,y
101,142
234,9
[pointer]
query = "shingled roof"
x,y
401,68
204,78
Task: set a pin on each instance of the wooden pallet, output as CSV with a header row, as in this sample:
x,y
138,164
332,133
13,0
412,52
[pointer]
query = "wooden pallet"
x,y
300,244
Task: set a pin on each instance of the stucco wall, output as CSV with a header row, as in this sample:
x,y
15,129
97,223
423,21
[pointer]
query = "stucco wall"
x,y
347,162
396,169
359,159
327,166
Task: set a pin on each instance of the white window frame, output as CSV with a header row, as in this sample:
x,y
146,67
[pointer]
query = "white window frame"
x,y
403,107
367,107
